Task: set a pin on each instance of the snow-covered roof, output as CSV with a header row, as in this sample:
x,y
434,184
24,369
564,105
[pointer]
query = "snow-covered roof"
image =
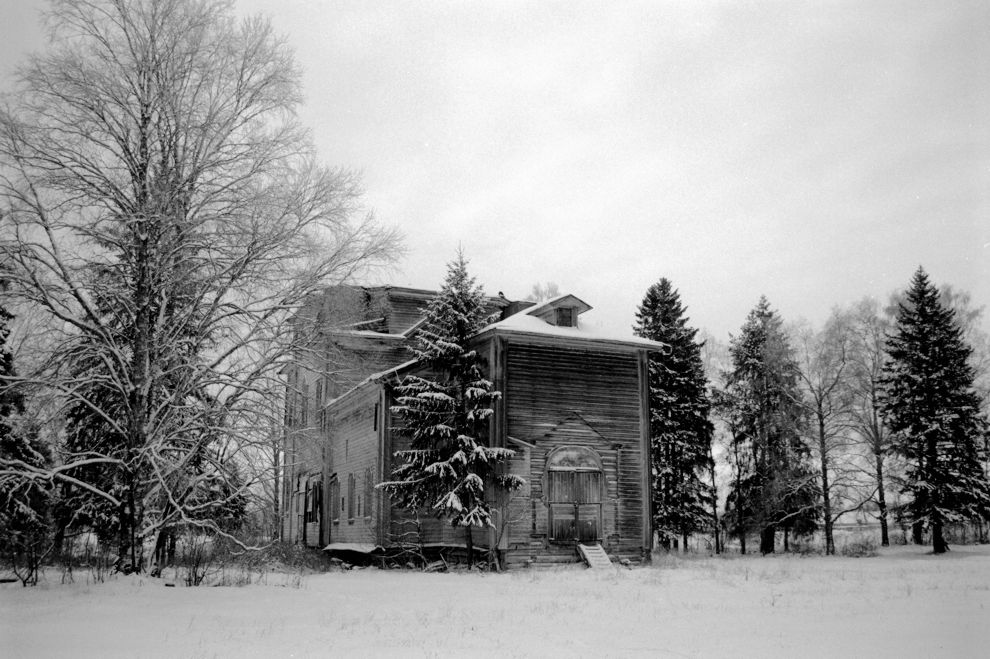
x,y
373,378
527,322
565,300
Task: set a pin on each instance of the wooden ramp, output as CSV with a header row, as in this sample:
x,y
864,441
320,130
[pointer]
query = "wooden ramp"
x,y
595,556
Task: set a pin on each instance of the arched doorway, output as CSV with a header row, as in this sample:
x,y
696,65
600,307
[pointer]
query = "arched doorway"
x,y
574,484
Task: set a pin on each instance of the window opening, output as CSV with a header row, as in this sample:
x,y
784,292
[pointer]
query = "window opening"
x,y
334,499
350,497
369,493
314,501
305,405
565,316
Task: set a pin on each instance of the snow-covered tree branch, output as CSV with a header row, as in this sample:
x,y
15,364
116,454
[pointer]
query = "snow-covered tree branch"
x,y
166,211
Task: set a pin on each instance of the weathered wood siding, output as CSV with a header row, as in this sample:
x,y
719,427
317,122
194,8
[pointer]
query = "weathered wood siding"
x,y
350,360
352,431
563,396
303,457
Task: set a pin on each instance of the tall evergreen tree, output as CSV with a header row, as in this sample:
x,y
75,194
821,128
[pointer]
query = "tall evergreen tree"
x,y
25,502
775,486
934,413
446,413
680,430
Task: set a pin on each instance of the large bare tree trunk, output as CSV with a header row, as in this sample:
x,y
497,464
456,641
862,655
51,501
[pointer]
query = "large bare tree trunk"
x,y
881,501
276,493
767,539
159,179
715,521
826,498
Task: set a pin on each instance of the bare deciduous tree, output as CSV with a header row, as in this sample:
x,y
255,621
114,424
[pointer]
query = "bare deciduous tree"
x,y
164,208
869,334
825,359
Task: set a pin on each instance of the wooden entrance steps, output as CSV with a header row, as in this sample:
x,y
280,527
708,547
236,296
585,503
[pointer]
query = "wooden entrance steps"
x,y
595,556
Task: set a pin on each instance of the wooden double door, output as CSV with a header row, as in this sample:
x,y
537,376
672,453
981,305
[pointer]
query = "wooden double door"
x,y
575,500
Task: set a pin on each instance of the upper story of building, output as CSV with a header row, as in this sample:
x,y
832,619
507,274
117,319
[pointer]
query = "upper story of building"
x,y
354,333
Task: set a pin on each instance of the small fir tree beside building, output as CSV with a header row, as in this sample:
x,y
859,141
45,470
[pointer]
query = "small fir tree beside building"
x,y
445,411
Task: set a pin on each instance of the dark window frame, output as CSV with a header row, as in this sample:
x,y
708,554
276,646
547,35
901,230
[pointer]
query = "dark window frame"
x,y
312,512
564,316
369,493
351,492
335,509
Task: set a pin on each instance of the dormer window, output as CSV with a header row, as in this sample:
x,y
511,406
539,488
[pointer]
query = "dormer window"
x,y
565,317
562,311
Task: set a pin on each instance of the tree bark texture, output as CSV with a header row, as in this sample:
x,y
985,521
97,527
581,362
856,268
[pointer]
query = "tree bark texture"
x,y
767,538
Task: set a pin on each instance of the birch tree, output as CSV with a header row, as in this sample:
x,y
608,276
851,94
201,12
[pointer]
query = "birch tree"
x,y
165,209
826,366
868,351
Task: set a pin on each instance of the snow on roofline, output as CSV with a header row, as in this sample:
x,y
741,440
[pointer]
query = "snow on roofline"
x,y
552,302
528,324
359,547
374,377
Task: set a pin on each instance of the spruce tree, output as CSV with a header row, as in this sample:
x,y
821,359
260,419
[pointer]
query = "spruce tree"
x,y
445,413
680,431
25,501
934,414
774,486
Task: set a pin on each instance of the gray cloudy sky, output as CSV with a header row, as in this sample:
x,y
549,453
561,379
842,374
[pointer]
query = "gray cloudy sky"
x,y
812,152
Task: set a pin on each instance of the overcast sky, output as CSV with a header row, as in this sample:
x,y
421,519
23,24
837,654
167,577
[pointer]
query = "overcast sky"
x,y
812,152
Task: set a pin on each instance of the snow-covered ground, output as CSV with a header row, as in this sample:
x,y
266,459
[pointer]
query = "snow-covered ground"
x,y
905,603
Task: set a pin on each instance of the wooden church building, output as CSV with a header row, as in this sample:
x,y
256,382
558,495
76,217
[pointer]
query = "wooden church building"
x,y
574,408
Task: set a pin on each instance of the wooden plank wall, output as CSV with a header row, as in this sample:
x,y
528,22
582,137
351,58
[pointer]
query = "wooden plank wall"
x,y
558,396
352,437
350,360
304,454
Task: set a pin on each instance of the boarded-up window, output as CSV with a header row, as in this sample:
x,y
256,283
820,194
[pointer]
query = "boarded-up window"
x,y
574,494
304,407
369,493
320,415
351,491
335,504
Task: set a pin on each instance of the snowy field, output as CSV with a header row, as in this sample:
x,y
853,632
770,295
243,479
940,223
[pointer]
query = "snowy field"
x,y
904,603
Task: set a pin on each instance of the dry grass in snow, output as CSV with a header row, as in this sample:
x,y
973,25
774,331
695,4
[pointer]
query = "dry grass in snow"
x,y
904,603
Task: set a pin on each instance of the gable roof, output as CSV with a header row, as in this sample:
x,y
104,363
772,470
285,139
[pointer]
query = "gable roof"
x,y
530,322
566,300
